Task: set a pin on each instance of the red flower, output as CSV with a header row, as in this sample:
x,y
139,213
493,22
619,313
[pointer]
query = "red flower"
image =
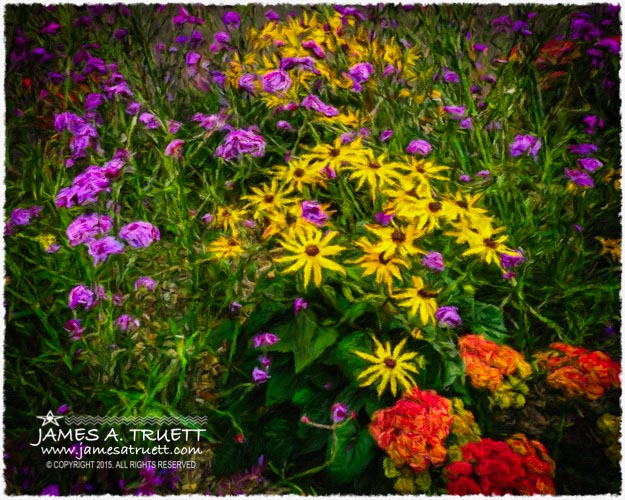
x,y
413,430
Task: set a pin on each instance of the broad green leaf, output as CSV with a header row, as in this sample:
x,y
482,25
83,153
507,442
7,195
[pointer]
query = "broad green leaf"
x,y
355,449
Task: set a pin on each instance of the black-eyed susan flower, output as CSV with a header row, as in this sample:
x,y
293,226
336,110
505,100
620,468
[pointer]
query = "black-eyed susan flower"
x,y
420,300
374,262
310,250
225,247
396,239
389,366
269,200
375,171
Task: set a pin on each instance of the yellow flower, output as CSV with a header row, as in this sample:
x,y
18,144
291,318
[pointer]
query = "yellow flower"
x,y
420,300
310,250
298,173
335,155
374,262
269,200
611,246
388,366
375,171
396,239
225,247
230,217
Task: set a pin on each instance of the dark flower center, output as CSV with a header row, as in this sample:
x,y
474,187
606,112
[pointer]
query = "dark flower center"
x,y
312,250
268,198
382,260
462,204
426,294
435,206
390,363
374,165
299,173
398,236
232,242
490,243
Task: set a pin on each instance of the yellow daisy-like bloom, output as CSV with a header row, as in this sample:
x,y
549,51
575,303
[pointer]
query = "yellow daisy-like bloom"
x,y
230,217
310,249
489,248
429,211
269,200
389,366
611,247
403,199
424,170
225,247
374,262
335,155
374,171
297,173
463,207
420,300
396,239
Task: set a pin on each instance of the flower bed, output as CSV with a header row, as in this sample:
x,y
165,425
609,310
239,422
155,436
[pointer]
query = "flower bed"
x,y
319,251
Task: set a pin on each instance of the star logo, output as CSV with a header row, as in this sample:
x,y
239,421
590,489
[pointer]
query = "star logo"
x,y
50,418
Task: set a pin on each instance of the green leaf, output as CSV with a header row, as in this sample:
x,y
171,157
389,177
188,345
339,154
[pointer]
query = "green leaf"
x,y
355,449
280,387
345,359
488,319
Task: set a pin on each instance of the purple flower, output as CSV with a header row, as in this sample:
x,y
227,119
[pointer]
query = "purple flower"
x,y
23,216
466,123
183,17
92,101
306,62
240,142
524,144
465,178
385,135
312,212
433,261
173,126
174,148
232,18
145,282
276,81
592,122
133,108
314,103
484,174
247,82
140,234
420,147
339,412
149,120
259,376
455,112
86,227
384,218
264,339
74,328
235,307
51,28
360,73
265,361
448,317
580,177
272,15
208,218
590,164
479,47
151,480
102,248
192,58
81,295
126,322
328,172
509,261
284,125
583,149
299,304
52,490
612,44
314,46
450,76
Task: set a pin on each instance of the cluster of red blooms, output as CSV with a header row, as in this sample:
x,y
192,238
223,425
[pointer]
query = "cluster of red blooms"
x,y
488,362
578,371
516,466
414,429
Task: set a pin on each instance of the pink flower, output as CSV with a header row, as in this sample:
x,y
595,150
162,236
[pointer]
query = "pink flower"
x,y
140,234
276,81
265,339
145,282
434,261
339,412
174,148
420,147
299,304
259,376
81,295
126,322
74,329
102,248
86,227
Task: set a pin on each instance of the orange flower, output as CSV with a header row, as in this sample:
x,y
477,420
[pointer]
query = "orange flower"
x,y
488,362
578,371
413,431
539,465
